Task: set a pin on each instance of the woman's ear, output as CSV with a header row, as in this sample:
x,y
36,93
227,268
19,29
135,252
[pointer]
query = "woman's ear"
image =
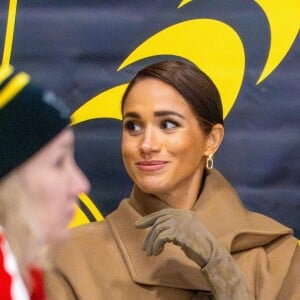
x,y
214,139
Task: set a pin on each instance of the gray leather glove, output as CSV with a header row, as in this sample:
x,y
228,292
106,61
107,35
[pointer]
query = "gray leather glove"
x,y
183,228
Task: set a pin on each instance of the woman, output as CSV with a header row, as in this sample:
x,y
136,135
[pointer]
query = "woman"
x,y
39,182
172,127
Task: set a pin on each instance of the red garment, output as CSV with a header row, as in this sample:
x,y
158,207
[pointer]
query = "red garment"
x,y
5,278
12,286
38,285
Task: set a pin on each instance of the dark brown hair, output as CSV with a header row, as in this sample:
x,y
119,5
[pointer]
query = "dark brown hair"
x,y
193,84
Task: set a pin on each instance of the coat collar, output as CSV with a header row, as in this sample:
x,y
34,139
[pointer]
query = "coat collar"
x,y
219,209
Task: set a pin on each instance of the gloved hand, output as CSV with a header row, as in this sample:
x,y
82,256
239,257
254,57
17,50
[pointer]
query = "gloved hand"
x,y
183,228
180,227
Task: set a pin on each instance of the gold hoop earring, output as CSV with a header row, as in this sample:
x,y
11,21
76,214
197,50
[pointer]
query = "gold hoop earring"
x,y
210,162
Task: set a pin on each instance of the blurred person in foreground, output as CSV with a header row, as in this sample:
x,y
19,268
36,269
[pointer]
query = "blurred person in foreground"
x,y
39,182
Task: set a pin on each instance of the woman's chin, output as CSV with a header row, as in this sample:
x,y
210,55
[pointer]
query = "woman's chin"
x,y
153,189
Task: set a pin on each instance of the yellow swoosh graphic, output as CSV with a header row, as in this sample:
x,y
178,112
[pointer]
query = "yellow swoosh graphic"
x,y
80,218
184,2
9,32
104,105
212,45
284,21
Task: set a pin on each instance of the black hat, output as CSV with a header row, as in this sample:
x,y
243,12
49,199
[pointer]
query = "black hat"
x,y
29,118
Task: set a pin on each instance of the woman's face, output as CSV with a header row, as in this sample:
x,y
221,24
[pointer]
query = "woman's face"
x,y
163,145
53,181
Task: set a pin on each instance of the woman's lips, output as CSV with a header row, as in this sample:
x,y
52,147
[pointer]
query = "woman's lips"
x,y
151,165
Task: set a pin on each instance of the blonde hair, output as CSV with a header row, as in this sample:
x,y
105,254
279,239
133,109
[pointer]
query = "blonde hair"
x,y
19,225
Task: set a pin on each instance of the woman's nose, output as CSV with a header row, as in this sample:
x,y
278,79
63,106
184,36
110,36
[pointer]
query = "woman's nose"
x,y
150,141
80,183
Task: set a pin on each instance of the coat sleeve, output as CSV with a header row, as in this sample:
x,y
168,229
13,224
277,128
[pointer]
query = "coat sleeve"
x,y
224,277
291,286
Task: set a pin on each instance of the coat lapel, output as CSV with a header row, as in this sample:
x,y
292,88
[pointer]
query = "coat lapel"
x,y
170,269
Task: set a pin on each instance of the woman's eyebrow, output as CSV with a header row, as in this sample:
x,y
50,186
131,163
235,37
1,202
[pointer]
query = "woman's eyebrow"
x,y
160,113
132,115
163,113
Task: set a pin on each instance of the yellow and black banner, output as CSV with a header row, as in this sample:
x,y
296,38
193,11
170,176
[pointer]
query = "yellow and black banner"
x,y
87,51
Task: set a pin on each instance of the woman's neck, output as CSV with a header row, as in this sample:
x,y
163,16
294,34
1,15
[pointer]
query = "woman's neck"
x,y
183,196
186,193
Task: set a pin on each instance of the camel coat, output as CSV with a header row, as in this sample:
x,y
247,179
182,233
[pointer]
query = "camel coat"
x,y
104,260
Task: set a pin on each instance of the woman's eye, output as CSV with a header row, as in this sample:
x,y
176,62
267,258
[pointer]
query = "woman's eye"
x,y
132,126
169,124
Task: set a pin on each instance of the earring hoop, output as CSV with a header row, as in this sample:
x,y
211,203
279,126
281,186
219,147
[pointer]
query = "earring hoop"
x,y
210,162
